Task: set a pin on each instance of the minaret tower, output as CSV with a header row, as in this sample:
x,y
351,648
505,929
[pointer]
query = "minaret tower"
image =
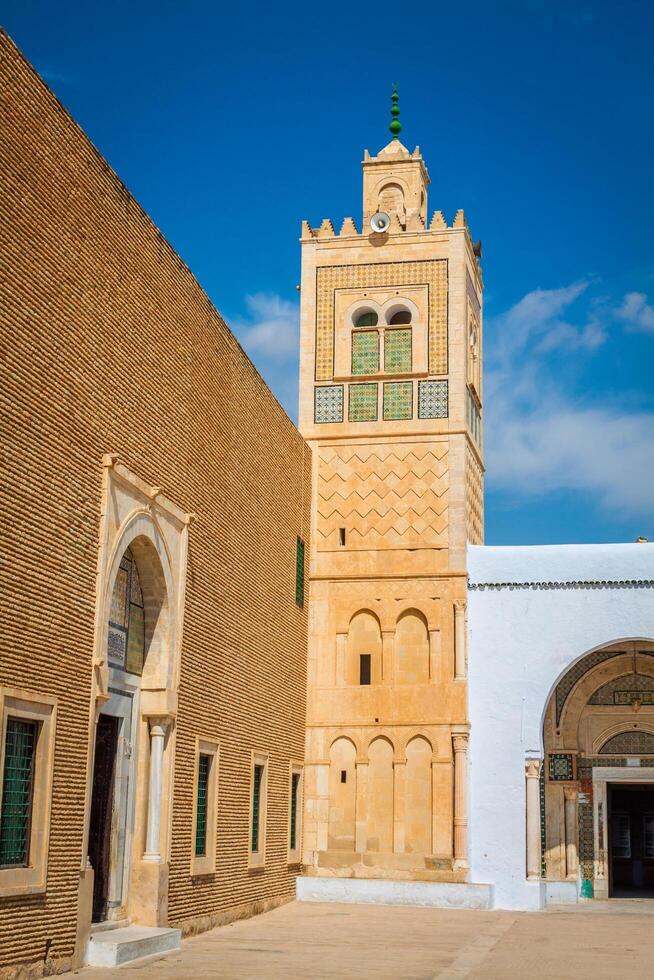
x,y
390,403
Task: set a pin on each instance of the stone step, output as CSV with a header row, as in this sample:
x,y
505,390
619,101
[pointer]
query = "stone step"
x,y
116,946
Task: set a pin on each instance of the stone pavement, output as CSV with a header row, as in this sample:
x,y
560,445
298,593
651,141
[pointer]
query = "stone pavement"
x,y
306,941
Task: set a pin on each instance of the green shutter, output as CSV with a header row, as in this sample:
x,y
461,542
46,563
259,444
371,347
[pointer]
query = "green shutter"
x,y
204,765
365,352
299,573
256,805
17,787
397,351
295,783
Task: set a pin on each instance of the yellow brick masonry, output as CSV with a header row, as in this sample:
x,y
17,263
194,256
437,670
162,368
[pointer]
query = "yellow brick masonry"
x,y
110,345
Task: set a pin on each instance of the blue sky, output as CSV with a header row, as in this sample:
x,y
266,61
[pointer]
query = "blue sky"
x,y
231,123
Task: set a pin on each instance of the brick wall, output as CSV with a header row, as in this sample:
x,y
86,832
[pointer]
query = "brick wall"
x,y
110,345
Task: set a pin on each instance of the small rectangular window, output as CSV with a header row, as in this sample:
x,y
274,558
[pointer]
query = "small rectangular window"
x,y
364,668
343,775
341,536
295,783
27,736
204,766
17,792
256,806
299,573
205,807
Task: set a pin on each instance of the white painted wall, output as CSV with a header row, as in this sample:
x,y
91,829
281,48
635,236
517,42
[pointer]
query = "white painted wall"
x,y
521,640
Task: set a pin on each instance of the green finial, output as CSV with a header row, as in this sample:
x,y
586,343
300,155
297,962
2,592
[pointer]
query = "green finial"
x,y
395,126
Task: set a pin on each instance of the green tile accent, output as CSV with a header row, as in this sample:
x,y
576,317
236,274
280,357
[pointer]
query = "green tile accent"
x,y
204,765
365,352
17,784
363,403
299,573
397,351
398,400
256,806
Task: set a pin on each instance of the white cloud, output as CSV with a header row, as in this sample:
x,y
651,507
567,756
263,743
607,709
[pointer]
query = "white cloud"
x,y
539,437
636,313
271,329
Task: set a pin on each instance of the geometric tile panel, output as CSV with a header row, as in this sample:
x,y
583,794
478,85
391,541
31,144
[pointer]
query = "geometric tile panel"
x,y
625,690
388,496
363,403
582,667
398,400
397,351
432,399
629,743
328,406
430,272
561,767
365,352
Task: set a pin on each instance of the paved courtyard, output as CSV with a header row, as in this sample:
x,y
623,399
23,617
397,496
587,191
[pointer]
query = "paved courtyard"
x,y
607,941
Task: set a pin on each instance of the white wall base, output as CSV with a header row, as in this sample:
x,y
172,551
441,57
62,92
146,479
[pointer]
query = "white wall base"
x,y
115,946
380,891
561,892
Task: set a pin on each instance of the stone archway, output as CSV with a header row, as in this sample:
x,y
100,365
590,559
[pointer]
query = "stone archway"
x,y
598,721
142,564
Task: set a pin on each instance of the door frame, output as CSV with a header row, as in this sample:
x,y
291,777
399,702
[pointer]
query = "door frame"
x,y
602,776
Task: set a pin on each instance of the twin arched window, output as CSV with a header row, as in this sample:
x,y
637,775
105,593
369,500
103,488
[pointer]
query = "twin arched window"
x,y
397,344
369,318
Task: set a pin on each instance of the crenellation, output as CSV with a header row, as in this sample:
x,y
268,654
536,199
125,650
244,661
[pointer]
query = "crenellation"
x,y
348,228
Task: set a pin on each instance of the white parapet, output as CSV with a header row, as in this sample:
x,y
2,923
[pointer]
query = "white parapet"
x,y
380,891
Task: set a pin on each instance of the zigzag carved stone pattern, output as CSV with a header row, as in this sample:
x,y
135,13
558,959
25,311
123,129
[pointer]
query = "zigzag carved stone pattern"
x,y
474,499
388,496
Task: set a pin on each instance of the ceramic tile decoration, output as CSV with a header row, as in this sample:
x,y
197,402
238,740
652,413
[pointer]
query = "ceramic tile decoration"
x,y
328,405
363,403
432,399
398,400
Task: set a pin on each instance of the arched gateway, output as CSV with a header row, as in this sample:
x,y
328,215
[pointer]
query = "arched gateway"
x,y
598,776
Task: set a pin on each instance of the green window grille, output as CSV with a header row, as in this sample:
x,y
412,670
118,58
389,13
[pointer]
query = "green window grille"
x,y
363,403
365,352
204,766
256,806
17,792
295,787
299,573
397,351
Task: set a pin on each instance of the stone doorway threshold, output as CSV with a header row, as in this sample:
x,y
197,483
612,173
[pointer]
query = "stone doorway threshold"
x,y
113,947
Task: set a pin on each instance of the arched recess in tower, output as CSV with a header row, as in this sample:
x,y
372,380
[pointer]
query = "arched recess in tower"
x,y
412,648
418,832
342,795
364,641
380,796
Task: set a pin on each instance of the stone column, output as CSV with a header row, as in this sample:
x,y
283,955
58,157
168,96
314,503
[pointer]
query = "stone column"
x,y
460,745
570,795
459,640
532,769
361,809
158,728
